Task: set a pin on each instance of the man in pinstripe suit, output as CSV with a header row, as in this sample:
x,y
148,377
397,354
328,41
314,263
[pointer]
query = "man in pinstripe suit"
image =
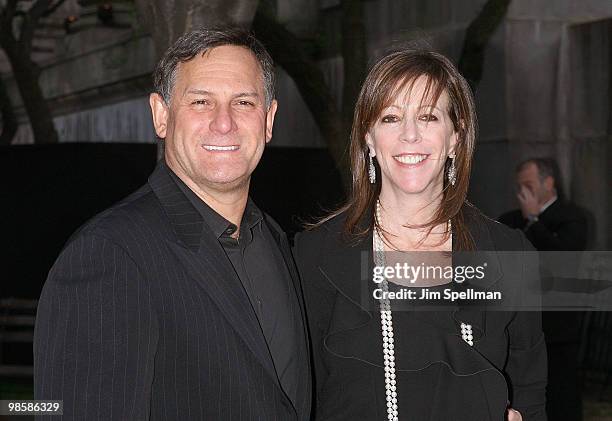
x,y
182,301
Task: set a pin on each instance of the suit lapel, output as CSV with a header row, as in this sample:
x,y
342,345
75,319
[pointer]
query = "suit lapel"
x,y
204,259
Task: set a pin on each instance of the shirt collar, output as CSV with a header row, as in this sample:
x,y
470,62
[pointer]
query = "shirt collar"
x,y
218,224
547,204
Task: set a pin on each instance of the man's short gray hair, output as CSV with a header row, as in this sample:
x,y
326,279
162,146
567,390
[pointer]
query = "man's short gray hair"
x,y
547,167
199,42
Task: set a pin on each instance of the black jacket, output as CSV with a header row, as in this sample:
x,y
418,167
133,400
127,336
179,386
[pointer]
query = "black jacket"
x,y
438,373
561,227
143,318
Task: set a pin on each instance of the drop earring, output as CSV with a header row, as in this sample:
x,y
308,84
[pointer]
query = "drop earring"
x,y
372,171
452,172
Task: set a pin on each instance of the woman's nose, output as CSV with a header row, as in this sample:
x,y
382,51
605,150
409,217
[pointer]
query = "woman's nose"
x,y
410,131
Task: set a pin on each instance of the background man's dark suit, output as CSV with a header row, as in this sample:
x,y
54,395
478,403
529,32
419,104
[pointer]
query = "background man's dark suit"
x,y
143,318
561,227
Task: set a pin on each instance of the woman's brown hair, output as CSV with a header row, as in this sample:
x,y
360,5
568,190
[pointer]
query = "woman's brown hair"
x,y
386,78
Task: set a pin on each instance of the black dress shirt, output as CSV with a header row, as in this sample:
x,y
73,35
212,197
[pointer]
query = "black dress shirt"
x,y
260,266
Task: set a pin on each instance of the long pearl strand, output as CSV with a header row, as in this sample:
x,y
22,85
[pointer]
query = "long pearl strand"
x,y
386,322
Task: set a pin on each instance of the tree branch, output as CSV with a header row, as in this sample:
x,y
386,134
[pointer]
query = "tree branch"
x,y
9,10
6,16
29,24
354,57
477,37
53,8
289,53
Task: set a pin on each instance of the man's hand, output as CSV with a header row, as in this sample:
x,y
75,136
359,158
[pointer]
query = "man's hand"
x,y
528,202
513,415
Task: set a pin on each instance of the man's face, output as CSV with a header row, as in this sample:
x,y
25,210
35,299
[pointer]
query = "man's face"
x,y
529,178
216,125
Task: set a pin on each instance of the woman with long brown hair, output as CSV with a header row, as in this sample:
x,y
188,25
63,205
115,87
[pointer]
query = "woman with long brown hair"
x,y
383,346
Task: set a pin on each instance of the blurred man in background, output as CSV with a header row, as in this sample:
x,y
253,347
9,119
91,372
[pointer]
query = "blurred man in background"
x,y
553,224
547,219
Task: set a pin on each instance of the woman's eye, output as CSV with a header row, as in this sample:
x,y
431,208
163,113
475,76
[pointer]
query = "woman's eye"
x,y
428,117
390,119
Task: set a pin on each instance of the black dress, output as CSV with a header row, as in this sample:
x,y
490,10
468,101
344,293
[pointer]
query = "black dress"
x,y
439,376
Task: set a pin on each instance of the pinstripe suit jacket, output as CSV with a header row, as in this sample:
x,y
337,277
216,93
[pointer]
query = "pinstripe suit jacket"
x,y
142,317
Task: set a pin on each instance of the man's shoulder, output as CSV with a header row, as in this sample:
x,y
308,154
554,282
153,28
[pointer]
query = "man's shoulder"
x,y
566,210
135,216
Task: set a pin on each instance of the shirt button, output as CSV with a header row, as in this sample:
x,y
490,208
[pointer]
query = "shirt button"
x,y
230,230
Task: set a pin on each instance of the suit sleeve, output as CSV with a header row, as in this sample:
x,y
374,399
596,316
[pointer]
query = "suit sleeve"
x,y
96,334
527,361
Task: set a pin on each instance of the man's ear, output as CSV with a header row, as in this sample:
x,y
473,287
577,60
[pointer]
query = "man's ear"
x,y
159,110
270,119
370,143
549,183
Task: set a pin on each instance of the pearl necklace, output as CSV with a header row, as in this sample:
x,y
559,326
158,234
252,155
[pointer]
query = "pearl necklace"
x,y
386,322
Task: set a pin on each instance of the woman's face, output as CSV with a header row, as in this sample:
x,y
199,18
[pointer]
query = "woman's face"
x,y
412,140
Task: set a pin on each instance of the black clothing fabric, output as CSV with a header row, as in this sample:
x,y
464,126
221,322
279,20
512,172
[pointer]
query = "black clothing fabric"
x,y
143,317
562,227
263,272
439,376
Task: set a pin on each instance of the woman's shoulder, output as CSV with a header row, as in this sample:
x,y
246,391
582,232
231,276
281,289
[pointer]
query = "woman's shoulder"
x,y
324,231
502,237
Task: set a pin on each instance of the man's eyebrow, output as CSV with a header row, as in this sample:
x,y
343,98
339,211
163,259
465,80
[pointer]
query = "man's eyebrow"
x,y
247,94
198,92
238,95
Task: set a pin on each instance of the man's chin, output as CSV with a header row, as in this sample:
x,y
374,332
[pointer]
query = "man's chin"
x,y
226,182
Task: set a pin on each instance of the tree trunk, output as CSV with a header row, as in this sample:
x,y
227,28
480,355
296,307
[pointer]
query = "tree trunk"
x,y
289,53
9,121
25,71
26,75
354,59
169,19
477,37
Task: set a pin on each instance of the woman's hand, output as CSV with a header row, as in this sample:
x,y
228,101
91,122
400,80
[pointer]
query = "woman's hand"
x,y
513,415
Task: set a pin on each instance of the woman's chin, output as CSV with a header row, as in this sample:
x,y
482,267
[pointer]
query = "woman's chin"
x,y
414,187
411,189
